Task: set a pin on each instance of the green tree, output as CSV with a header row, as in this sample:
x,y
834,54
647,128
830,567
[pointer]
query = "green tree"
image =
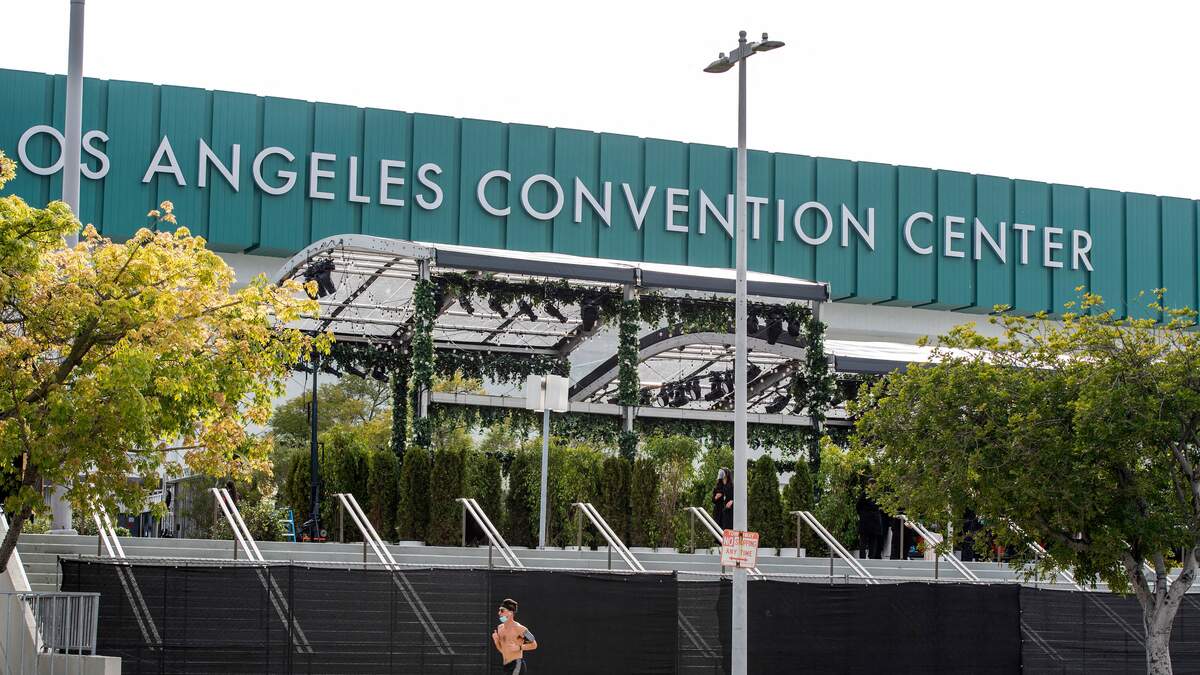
x,y
1082,435
675,457
350,401
798,496
412,511
644,527
613,500
766,506
344,468
841,478
447,484
111,352
484,484
383,490
521,500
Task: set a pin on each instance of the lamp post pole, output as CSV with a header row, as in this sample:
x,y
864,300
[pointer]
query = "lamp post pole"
x,y
74,115
739,651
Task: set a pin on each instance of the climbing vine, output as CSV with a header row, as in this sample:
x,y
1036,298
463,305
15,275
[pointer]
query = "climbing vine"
x,y
628,382
425,313
503,367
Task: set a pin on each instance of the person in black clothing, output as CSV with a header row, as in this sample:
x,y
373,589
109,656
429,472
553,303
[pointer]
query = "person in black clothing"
x,y
870,524
723,499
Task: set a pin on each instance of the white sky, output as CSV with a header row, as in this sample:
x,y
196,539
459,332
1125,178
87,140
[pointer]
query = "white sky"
x,y
1093,94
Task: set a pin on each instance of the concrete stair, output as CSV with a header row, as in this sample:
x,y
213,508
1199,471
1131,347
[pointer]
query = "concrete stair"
x,y
40,553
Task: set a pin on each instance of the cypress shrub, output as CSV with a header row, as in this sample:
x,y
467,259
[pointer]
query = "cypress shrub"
x,y
296,487
344,469
798,496
383,488
766,507
613,500
412,510
521,507
484,484
643,504
447,484
574,477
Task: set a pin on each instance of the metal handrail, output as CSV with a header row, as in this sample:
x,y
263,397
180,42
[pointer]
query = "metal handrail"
x,y
133,591
935,538
494,537
241,533
706,518
714,529
276,595
614,542
835,546
350,504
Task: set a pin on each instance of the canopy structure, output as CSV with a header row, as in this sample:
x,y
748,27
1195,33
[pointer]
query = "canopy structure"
x,y
367,286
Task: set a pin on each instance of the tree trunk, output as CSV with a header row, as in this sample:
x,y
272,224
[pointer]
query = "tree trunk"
x,y
10,538
1158,650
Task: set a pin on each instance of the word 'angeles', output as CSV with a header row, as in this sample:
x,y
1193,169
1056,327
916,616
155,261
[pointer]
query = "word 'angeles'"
x,y
919,229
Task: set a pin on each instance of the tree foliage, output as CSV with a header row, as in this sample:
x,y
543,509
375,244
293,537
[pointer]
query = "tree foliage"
x,y
1080,435
447,483
412,509
766,506
644,530
110,352
351,401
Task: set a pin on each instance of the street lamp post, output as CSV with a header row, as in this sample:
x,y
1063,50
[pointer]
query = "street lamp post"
x,y
740,591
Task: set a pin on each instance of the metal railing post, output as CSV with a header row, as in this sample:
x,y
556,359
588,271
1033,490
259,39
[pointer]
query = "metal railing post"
x,y
341,522
692,526
578,530
464,525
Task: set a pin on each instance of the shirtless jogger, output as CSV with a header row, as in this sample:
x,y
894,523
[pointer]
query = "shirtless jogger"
x,y
512,639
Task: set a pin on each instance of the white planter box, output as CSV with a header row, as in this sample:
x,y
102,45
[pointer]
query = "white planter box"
x,y
788,552
410,543
641,549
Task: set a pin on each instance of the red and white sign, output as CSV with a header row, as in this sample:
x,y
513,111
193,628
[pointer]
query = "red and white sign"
x,y
739,549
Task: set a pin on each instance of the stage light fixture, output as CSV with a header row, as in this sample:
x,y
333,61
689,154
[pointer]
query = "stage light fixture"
x,y
464,301
645,398
496,306
774,326
694,389
589,313
716,387
321,272
679,397
752,372
793,327
752,326
780,402
664,395
523,307
553,311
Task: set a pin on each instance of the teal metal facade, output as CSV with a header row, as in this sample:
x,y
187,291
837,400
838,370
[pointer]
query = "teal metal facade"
x,y
1136,242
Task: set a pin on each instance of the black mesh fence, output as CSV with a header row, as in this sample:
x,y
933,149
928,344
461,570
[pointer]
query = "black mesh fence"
x,y
1073,632
821,628
186,618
